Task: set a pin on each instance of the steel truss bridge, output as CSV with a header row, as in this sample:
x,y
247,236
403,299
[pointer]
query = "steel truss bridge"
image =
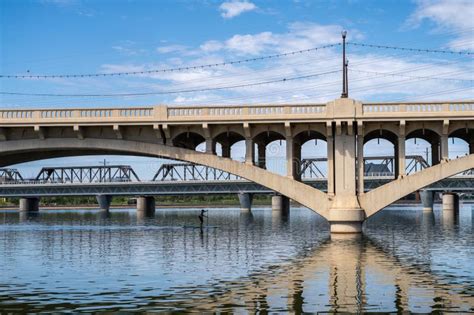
x,y
185,178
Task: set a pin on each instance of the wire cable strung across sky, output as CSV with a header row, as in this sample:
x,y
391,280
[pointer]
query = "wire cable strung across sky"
x,y
210,65
410,76
173,92
436,51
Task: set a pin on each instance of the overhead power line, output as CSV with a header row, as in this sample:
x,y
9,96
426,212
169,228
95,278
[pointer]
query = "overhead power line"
x,y
410,76
178,69
175,91
436,51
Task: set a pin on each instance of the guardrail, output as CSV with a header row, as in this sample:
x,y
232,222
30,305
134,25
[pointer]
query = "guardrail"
x,y
164,113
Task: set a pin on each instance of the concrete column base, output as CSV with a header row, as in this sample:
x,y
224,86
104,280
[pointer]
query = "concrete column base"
x,y
146,205
346,221
245,200
346,227
104,202
29,204
427,199
280,203
451,202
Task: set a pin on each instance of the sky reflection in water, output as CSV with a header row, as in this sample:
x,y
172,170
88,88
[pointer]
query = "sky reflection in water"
x,y
260,261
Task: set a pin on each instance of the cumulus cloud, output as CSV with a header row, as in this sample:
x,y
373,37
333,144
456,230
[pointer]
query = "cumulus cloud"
x,y
234,8
456,16
299,36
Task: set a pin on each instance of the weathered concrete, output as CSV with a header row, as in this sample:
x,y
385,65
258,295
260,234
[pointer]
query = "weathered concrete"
x,y
451,202
104,202
427,200
30,204
146,204
245,200
280,203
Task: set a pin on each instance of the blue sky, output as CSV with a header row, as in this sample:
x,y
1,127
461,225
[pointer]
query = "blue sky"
x,y
80,36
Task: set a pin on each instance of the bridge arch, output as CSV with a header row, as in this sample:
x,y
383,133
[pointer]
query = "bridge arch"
x,y
188,140
300,192
379,198
227,139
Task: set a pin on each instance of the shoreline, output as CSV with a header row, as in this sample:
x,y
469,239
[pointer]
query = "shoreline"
x,y
183,206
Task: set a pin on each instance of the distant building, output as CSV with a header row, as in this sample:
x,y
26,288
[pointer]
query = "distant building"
x,y
374,169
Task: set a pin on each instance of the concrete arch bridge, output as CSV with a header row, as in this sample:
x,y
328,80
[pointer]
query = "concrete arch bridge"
x,y
175,132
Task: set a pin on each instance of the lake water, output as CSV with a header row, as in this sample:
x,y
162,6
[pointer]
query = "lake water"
x,y
262,261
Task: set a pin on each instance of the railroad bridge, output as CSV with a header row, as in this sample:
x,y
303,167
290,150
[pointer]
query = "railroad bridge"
x,y
175,132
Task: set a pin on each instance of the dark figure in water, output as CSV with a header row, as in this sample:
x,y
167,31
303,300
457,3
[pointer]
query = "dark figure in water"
x,y
202,216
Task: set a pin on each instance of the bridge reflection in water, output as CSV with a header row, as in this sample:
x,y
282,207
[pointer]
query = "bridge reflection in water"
x,y
255,262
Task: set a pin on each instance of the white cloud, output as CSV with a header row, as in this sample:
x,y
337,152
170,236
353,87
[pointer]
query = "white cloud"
x,y
170,49
299,36
363,86
456,16
234,8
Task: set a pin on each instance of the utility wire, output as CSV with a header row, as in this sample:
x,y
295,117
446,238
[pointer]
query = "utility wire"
x,y
225,63
410,76
173,92
437,51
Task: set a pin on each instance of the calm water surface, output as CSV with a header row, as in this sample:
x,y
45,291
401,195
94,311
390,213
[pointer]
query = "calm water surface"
x,y
259,261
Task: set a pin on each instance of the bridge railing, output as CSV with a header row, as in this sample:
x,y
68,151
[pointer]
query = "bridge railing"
x,y
162,113
419,108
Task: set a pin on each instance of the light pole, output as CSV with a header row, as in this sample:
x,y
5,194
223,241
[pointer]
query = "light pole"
x,y
344,93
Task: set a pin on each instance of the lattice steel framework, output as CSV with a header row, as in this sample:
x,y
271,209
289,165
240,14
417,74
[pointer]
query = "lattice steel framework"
x,y
87,174
188,171
10,175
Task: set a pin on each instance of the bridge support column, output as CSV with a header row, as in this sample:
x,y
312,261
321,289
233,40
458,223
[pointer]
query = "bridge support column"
x,y
346,221
331,174
104,201
280,203
435,153
249,151
293,159
444,148
471,146
146,205
427,199
29,204
360,164
210,146
261,155
226,150
400,155
451,202
245,200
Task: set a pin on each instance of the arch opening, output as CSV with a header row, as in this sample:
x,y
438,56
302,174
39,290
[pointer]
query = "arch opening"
x,y
230,144
312,161
431,141
188,140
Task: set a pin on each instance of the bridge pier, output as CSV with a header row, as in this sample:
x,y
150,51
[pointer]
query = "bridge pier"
x,y
346,221
281,204
104,202
29,204
451,202
245,200
427,199
146,205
